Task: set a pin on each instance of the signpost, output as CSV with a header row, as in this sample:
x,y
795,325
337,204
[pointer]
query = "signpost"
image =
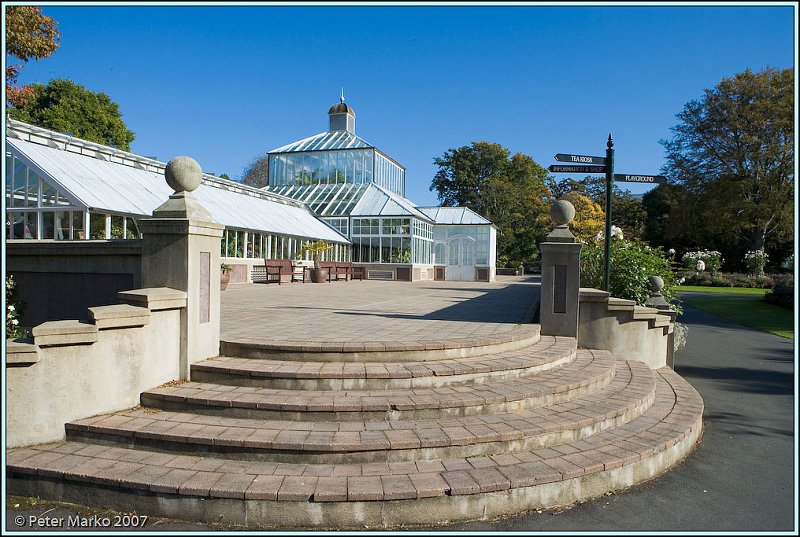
x,y
580,159
640,178
607,167
560,168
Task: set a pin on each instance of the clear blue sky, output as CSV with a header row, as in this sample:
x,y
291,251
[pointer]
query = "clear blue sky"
x,y
224,84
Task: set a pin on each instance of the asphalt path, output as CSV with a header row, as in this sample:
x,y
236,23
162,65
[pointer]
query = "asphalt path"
x,y
742,476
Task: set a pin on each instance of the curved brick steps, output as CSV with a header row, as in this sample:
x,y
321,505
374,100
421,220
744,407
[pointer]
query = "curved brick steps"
x,y
628,395
547,353
358,495
520,336
590,371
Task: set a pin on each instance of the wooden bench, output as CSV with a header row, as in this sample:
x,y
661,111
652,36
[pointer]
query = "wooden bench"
x,y
277,268
331,266
347,270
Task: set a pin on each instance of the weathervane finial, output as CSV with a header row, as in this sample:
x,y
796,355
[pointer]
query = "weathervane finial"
x,y
342,97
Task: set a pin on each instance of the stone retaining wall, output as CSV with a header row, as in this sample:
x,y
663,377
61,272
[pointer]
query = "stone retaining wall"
x,y
73,369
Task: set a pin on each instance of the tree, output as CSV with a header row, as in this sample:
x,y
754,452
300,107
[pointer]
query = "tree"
x,y
589,216
734,151
64,106
626,210
257,172
29,36
507,190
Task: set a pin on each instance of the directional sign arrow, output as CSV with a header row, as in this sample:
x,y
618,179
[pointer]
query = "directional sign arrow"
x,y
639,178
559,168
580,159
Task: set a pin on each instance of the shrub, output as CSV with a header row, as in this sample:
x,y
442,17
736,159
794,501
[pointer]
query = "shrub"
x,y
709,260
756,260
632,264
728,279
782,293
13,311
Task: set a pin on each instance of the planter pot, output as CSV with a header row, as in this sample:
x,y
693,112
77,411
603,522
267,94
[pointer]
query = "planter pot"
x,y
224,281
318,275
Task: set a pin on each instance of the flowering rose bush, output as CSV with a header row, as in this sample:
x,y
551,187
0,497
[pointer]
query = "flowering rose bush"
x,y
756,260
711,259
632,264
13,310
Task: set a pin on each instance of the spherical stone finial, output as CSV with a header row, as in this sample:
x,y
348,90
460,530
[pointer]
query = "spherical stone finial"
x,y
656,283
183,174
562,212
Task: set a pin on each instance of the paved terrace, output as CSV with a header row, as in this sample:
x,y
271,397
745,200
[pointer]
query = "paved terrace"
x,y
376,311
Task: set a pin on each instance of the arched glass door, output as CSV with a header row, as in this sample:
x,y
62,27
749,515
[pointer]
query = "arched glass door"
x,y
460,258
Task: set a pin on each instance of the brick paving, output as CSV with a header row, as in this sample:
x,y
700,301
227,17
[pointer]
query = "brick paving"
x,y
376,311
333,433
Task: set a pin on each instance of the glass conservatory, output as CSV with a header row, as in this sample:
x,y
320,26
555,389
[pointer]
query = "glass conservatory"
x,y
61,188
359,191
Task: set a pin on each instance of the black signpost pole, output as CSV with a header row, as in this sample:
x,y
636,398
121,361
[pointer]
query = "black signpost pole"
x,y
609,179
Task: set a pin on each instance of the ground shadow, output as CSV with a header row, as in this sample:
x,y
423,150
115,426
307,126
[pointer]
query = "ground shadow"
x,y
491,305
741,379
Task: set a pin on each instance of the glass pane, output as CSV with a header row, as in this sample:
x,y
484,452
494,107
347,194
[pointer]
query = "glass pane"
x,y
31,221
117,231
33,189
14,225
452,254
240,244
62,200
77,225
405,250
132,230
62,219
97,225
20,183
48,219
48,194
439,253
9,180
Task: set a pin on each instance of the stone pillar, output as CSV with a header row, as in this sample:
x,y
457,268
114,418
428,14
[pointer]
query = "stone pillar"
x,y
656,300
181,250
558,307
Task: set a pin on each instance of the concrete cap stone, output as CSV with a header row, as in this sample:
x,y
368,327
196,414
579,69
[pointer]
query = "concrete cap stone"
x,y
21,352
69,332
154,298
119,316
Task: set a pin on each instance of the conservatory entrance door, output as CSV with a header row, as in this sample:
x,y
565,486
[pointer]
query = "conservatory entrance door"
x,y
460,259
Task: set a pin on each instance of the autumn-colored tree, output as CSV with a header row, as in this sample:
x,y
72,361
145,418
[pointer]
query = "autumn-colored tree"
x,y
64,106
29,36
589,216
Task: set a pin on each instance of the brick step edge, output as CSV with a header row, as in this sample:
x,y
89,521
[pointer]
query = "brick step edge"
x,y
438,498
521,336
546,354
590,371
632,392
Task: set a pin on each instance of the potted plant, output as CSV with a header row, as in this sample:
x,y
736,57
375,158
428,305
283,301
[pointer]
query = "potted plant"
x,y
316,248
225,276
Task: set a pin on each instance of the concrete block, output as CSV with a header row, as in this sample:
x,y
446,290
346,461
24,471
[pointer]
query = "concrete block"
x,y
21,352
620,304
119,316
71,332
589,294
154,298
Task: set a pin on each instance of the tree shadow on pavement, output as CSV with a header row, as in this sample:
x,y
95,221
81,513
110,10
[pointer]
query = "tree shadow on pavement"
x,y
740,379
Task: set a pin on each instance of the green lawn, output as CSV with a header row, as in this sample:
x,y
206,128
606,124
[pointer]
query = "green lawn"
x,y
724,290
749,310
